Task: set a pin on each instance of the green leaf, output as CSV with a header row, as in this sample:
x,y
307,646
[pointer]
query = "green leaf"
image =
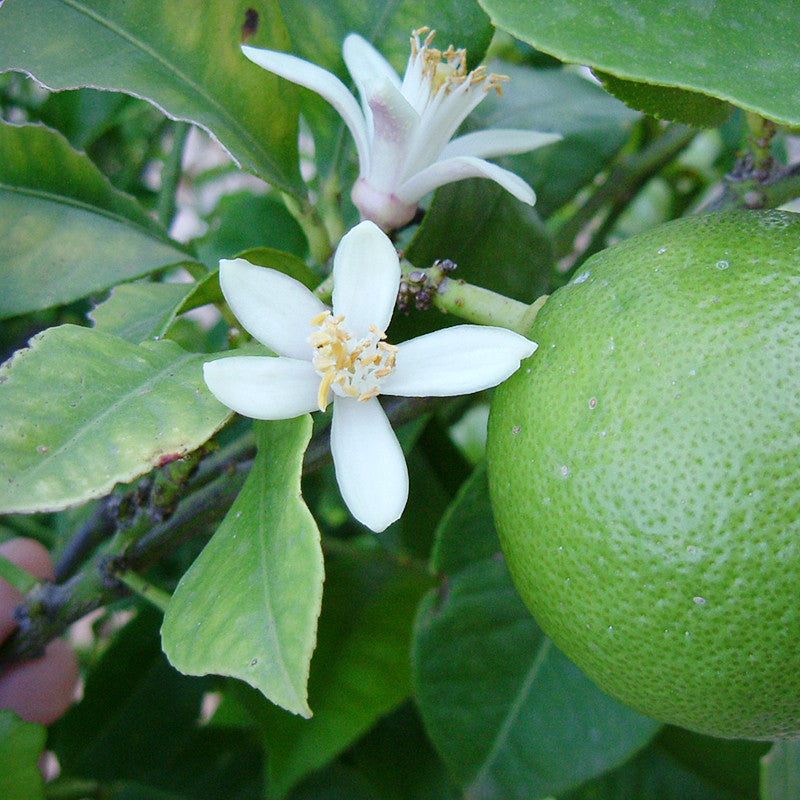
x,y
21,745
84,115
138,728
131,695
399,759
469,222
466,531
183,56
139,311
780,772
669,102
16,576
594,125
338,781
245,220
653,774
64,230
510,714
360,669
731,764
743,53
81,410
248,606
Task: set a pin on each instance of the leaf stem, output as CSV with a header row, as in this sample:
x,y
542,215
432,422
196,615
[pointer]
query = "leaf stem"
x,y
136,583
761,133
51,608
623,183
744,188
313,226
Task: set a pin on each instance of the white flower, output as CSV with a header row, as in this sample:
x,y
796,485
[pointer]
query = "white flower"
x,y
340,354
402,130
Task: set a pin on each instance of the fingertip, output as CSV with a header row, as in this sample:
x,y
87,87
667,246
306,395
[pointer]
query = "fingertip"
x,y
31,556
42,690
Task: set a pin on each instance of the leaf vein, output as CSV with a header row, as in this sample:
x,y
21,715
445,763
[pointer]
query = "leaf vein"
x,y
65,200
205,96
513,713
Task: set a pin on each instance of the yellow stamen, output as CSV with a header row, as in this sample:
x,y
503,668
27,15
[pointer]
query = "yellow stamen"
x,y
324,389
447,70
347,367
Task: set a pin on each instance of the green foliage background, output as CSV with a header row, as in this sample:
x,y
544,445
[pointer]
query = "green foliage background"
x,y
305,658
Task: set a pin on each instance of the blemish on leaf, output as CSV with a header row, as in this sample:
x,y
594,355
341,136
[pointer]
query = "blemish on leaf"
x,y
250,25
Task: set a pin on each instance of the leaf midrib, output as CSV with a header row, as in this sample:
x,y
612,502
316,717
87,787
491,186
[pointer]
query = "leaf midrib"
x,y
513,713
234,124
272,627
66,200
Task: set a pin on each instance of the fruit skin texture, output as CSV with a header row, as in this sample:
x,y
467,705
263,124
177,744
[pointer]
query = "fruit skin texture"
x,y
644,470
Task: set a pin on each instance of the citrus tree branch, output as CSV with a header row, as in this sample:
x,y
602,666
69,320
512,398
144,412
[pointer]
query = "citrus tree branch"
x,y
133,530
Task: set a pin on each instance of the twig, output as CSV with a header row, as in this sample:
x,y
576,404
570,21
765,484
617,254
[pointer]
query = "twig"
x,y
623,183
139,528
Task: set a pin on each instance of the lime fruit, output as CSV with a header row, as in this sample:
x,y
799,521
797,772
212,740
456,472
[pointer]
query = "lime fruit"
x,y
644,471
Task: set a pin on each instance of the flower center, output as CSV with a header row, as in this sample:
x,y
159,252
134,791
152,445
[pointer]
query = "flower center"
x,y
347,366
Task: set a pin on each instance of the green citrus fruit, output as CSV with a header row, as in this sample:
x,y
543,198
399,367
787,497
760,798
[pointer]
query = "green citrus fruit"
x,y
645,472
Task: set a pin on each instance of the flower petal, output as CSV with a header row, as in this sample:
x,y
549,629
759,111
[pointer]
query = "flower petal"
x,y
440,119
366,64
370,466
366,277
458,360
324,83
456,169
263,387
497,142
394,125
273,307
